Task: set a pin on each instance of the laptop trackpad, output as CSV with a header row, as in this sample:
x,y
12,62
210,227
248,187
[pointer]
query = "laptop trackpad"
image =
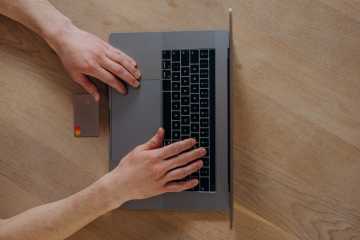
x,y
135,117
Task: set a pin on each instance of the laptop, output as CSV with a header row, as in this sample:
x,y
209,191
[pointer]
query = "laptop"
x,y
185,89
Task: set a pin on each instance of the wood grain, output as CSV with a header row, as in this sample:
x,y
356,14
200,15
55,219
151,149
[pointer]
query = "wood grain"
x,y
296,132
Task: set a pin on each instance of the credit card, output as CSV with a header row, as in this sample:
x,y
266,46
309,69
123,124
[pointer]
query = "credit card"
x,y
86,116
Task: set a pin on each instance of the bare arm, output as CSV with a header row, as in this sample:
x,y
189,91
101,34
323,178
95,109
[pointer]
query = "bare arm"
x,y
58,220
82,53
146,171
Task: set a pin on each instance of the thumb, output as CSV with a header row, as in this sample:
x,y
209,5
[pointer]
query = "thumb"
x,y
156,141
87,85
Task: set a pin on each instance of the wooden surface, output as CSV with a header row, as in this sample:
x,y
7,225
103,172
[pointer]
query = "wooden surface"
x,y
296,117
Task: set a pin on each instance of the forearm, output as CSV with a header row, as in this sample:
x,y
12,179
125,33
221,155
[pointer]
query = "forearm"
x,y
58,220
39,16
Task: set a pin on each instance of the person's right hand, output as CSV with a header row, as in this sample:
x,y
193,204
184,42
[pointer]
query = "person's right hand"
x,y
151,170
84,54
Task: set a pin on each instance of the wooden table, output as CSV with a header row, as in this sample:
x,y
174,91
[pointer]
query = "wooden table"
x,y
296,117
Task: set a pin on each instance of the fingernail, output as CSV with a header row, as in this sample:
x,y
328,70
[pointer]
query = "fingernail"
x,y
136,84
97,97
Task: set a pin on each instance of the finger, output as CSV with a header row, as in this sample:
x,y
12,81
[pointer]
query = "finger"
x,y
83,81
156,141
125,62
183,159
120,72
109,79
180,186
130,59
180,173
176,148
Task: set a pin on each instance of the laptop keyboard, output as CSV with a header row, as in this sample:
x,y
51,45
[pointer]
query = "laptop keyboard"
x,y
188,84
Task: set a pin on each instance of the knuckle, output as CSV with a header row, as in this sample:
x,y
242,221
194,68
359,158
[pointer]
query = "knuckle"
x,y
113,82
156,155
86,65
183,172
120,71
160,154
156,172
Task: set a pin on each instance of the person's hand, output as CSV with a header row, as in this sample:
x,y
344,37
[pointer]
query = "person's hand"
x,y
150,169
84,54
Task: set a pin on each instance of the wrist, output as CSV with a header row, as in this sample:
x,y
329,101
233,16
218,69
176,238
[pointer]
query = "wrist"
x,y
112,192
55,35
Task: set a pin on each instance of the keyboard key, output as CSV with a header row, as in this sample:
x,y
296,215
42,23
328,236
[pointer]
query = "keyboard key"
x,y
167,142
204,171
205,161
176,115
204,184
194,98
204,73
185,110
175,95
176,134
204,63
204,85
204,122
175,76
166,54
175,125
185,101
194,69
195,117
204,142
194,127
185,120
204,80
194,88
175,55
175,105
194,56
204,103
175,67
204,113
166,85
166,74
175,86
185,81
195,78
204,93
185,130
166,65
194,108
185,71
184,57
185,90
204,132
204,53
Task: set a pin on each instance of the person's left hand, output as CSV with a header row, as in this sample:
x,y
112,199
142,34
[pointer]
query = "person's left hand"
x,y
84,54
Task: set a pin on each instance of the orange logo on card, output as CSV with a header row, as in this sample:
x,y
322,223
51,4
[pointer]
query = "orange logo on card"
x,y
77,131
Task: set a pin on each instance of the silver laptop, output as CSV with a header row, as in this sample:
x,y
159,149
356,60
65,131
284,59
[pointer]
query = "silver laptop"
x,y
185,89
